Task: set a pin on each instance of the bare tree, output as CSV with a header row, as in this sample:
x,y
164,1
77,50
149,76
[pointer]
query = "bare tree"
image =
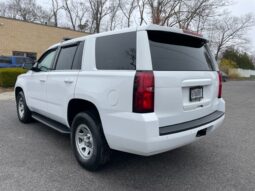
x,y
76,11
194,14
27,10
80,10
230,30
3,9
55,8
67,7
141,4
113,20
43,16
127,8
162,10
98,10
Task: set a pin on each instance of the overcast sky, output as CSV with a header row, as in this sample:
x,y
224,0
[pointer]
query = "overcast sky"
x,y
242,7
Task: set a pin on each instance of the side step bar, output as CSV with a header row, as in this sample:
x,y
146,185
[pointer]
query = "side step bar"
x,y
51,123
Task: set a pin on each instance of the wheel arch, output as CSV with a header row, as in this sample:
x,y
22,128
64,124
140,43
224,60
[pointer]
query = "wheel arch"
x,y
78,105
17,90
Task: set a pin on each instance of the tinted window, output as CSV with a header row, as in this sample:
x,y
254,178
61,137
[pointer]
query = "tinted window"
x,y
31,55
178,52
66,57
78,57
116,52
46,61
5,60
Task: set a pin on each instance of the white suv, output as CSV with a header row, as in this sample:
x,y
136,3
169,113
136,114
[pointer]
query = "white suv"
x,y
144,90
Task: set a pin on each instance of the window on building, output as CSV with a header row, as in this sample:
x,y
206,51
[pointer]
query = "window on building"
x,y
32,55
116,52
24,60
5,60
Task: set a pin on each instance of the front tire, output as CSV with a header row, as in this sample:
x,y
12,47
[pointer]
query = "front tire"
x,y
24,114
88,143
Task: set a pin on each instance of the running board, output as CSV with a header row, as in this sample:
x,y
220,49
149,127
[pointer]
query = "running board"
x,y
51,123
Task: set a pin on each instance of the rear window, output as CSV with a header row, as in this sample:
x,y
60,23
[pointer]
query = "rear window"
x,y
116,52
178,52
5,60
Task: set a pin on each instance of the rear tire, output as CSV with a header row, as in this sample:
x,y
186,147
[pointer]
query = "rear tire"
x,y
24,114
88,142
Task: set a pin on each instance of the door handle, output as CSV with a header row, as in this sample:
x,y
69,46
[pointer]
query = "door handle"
x,y
68,81
41,80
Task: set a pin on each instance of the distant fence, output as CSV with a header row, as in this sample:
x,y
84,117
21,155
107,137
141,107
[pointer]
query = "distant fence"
x,y
242,73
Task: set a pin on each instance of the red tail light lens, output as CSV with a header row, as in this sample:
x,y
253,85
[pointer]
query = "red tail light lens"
x,y
143,94
220,84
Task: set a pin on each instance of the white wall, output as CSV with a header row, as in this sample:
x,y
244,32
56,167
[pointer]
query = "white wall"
x,y
242,73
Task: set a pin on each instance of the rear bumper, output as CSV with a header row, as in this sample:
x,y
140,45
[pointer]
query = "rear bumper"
x,y
140,134
171,129
172,141
151,145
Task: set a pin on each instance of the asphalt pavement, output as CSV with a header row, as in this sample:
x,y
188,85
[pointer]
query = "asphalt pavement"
x,y
35,157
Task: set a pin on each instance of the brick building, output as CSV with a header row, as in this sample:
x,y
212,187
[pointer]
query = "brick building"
x,y
20,38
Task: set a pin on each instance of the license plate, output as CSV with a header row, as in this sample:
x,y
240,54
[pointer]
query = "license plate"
x,y
196,94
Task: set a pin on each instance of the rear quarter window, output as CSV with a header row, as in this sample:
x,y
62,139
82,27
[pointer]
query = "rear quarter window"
x,y
178,52
116,52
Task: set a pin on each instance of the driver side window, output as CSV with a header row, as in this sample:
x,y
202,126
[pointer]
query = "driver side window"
x,y
45,63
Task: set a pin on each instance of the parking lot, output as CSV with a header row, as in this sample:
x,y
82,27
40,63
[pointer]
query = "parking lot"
x,y
35,157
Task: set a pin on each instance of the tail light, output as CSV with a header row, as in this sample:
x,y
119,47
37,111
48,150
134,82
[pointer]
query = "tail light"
x,y
220,84
143,93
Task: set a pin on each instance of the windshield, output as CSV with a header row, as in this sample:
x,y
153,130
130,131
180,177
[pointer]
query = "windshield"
x,y
178,52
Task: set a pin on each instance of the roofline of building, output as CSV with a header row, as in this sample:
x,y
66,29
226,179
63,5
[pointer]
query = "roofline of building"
x,y
29,22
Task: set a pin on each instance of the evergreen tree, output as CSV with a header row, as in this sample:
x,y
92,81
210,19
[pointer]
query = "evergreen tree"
x,y
242,59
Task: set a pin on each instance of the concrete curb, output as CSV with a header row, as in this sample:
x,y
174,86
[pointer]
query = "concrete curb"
x,y
7,96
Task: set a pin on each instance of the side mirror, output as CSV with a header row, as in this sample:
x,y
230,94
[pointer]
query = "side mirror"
x,y
31,66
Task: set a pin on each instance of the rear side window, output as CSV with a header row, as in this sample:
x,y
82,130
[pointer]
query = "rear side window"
x,y
5,60
116,52
178,52
66,57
